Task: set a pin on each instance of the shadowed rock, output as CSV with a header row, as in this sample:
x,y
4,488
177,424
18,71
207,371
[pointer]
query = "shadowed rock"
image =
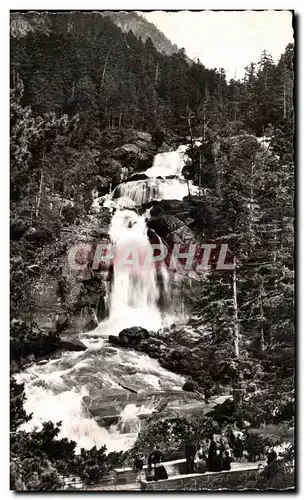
x,y
130,337
71,345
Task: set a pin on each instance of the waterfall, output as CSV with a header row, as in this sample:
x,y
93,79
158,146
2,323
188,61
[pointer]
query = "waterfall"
x,y
80,384
172,163
164,182
135,290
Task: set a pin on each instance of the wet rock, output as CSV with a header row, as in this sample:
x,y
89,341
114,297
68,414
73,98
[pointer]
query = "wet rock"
x,y
71,344
164,148
138,177
114,340
189,386
159,226
130,337
171,228
168,207
62,321
183,234
90,323
108,421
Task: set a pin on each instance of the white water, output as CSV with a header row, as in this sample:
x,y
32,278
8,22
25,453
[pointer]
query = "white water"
x,y
158,186
64,389
147,190
172,163
135,293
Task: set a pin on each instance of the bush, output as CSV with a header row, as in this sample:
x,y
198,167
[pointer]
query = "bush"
x,y
27,339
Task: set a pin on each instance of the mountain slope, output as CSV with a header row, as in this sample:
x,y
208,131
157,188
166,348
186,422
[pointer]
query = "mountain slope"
x,y
143,29
30,22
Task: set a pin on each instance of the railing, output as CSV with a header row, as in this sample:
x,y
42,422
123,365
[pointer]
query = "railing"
x,y
112,480
128,477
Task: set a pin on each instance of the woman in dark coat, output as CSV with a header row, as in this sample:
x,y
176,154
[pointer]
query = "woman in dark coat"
x,y
227,461
238,449
212,455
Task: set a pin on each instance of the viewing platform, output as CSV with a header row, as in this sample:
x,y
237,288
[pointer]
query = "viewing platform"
x,y
125,479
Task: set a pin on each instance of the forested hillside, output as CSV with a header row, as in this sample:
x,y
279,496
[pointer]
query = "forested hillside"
x,y
90,105
69,64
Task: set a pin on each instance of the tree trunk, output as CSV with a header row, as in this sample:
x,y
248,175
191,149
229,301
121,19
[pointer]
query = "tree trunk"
x,y
262,328
262,340
200,174
251,198
188,188
190,130
156,73
133,118
104,71
236,316
40,188
73,90
120,120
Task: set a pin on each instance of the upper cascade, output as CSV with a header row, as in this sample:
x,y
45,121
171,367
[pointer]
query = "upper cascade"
x,y
171,163
164,182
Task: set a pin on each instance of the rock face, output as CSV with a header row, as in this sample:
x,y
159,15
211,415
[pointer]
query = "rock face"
x,y
164,148
69,344
68,300
188,386
172,229
126,150
130,337
136,155
138,177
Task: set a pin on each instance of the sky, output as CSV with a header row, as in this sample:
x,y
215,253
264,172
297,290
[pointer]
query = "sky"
x,y
229,40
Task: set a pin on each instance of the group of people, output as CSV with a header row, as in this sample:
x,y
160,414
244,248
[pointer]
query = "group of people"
x,y
155,470
209,455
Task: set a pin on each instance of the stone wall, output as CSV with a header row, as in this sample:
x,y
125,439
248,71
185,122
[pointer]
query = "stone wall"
x,y
230,480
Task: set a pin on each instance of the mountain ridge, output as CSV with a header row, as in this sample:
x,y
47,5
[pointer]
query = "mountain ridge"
x,y
21,23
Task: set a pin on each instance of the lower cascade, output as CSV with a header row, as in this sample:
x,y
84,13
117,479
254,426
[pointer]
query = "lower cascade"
x,y
88,391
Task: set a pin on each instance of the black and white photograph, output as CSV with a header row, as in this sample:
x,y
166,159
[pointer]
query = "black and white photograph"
x,y
152,250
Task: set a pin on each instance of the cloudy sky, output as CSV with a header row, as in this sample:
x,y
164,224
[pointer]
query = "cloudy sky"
x,y
230,40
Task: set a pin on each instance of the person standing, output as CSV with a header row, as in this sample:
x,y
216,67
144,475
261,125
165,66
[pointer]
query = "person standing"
x,y
139,463
207,393
227,461
155,458
201,465
238,449
190,452
212,454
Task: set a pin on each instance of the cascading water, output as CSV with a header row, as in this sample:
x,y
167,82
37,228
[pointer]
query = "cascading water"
x,y
165,164
78,386
135,293
164,181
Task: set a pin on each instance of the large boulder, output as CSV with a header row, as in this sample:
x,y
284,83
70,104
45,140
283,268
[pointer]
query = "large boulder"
x,y
190,386
114,340
70,344
135,157
136,135
126,150
172,229
164,148
140,176
131,337
172,207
